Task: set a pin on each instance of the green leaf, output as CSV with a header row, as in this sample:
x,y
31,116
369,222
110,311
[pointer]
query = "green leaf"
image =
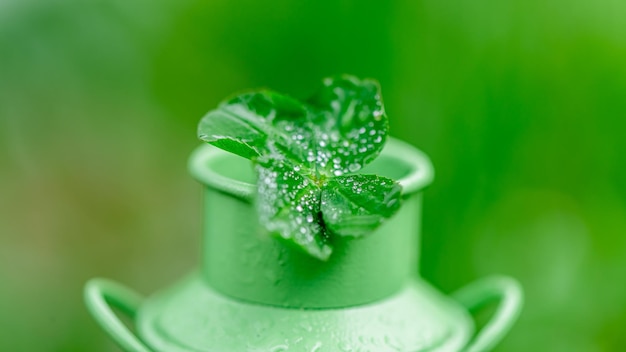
x,y
355,205
350,124
289,206
256,124
343,128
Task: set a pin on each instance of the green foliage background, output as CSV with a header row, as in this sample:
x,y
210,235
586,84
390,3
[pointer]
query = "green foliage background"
x,y
520,104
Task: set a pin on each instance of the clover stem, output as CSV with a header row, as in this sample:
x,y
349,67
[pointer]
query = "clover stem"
x,y
318,179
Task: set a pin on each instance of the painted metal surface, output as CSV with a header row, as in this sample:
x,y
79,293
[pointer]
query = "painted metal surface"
x,y
253,293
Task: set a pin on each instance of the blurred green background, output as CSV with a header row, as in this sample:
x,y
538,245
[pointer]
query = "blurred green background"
x,y
521,105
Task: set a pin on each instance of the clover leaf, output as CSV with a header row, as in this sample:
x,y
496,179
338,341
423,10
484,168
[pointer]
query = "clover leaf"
x,y
306,156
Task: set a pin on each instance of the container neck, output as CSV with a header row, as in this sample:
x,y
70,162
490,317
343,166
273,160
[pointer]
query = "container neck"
x,y
242,261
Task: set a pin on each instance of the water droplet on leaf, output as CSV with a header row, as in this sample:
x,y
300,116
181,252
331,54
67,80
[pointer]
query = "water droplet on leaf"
x,y
354,168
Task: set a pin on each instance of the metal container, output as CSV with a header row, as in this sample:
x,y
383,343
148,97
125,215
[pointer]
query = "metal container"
x,y
253,293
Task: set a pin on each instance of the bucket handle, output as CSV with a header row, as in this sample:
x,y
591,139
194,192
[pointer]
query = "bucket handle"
x,y
477,294
100,296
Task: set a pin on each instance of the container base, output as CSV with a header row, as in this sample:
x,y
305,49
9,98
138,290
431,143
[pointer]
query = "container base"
x,y
191,316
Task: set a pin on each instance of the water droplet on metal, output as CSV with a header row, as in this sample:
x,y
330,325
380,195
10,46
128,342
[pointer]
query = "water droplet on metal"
x,y
279,348
316,347
393,343
346,347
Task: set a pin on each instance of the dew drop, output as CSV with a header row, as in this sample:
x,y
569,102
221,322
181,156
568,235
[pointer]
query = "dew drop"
x,y
354,167
279,348
393,343
344,346
317,346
